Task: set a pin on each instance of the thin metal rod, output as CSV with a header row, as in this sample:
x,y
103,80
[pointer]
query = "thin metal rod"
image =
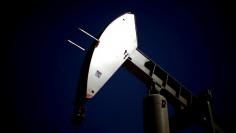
x,y
76,45
88,34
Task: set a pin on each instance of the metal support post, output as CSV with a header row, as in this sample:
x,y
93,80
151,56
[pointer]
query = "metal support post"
x,y
155,114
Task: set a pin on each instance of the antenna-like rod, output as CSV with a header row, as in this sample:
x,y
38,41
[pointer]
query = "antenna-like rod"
x,y
88,34
76,45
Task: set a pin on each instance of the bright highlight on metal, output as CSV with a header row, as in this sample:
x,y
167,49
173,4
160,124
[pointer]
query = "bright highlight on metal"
x,y
76,45
117,42
88,34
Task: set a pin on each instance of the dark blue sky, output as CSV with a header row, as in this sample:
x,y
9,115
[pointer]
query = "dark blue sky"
x,y
191,40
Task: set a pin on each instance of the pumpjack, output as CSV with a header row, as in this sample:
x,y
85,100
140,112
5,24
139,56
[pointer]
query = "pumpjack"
x,y
117,47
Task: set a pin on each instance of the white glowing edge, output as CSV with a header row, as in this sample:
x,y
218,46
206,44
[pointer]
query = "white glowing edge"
x,y
116,43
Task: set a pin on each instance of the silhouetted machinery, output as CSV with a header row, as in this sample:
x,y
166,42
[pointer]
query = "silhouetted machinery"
x,y
116,47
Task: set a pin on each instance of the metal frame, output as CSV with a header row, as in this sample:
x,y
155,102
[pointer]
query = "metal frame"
x,y
188,108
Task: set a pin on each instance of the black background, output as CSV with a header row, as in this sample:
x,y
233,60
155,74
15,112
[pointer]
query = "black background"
x,y
192,40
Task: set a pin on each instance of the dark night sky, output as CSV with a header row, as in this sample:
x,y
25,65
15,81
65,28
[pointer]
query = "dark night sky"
x,y
191,40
